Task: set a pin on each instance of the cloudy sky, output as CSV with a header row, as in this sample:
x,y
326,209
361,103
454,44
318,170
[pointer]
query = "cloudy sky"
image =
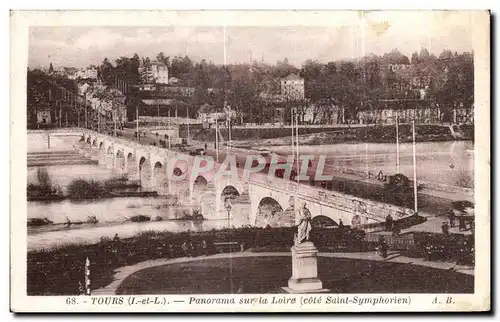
x,y
346,38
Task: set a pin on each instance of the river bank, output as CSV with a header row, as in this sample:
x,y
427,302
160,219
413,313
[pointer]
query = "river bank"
x,y
342,134
371,134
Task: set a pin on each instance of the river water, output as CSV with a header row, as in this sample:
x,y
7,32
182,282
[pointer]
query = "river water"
x,y
450,163
442,162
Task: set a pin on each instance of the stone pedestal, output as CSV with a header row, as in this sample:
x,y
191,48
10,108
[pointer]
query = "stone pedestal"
x,y
304,270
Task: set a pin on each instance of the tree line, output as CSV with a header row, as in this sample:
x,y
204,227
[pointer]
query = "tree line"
x,y
370,82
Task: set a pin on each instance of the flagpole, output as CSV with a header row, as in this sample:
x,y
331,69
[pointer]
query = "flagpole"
x,y
397,141
414,169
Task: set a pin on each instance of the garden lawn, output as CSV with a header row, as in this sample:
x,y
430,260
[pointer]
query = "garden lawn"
x,y
269,274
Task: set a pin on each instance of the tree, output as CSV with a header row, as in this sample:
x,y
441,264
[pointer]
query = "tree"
x,y
415,59
107,72
51,68
163,59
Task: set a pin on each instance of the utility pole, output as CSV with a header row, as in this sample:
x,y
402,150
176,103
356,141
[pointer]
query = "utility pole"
x,y
188,121
137,122
99,118
414,169
229,128
169,129
86,115
217,139
293,129
297,138
397,141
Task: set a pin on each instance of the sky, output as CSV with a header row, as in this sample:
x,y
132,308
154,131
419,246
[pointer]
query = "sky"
x,y
352,36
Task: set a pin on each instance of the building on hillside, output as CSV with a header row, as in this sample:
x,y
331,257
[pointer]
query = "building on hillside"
x,y
463,114
154,72
292,87
87,73
43,117
173,80
83,88
399,67
424,113
161,107
177,91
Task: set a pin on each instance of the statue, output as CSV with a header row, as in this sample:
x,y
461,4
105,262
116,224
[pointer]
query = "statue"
x,y
303,225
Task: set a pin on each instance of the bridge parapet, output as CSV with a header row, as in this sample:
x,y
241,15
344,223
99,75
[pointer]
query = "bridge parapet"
x,y
146,148
373,210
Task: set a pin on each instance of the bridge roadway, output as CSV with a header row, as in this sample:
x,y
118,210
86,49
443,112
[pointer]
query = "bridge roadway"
x,y
156,169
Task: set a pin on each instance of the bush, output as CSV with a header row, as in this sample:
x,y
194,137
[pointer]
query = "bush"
x,y
140,218
86,189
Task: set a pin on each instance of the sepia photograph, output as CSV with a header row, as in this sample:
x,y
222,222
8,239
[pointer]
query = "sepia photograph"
x,y
252,165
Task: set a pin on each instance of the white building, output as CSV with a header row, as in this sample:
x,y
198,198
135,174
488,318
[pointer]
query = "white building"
x,y
292,87
155,72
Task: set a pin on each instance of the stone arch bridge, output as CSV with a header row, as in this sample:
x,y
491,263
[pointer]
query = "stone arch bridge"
x,y
192,179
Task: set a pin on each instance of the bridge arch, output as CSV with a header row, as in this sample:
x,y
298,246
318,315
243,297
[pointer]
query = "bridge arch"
x,y
269,212
120,160
110,156
204,196
229,192
158,177
131,165
322,221
144,172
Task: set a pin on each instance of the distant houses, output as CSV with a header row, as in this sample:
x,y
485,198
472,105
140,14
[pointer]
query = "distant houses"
x,y
153,72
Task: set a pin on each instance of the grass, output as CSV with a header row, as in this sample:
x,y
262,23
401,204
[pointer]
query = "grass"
x,y
269,274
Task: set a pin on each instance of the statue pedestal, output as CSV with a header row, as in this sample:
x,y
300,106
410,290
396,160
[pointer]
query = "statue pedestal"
x,y
304,270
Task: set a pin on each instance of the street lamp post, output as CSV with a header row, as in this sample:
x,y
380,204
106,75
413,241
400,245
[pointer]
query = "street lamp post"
x,y
228,208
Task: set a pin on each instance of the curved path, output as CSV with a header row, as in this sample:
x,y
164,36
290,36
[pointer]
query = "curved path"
x,y
123,272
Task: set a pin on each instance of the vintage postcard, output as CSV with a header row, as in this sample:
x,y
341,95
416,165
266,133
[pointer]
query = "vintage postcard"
x,y
250,161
